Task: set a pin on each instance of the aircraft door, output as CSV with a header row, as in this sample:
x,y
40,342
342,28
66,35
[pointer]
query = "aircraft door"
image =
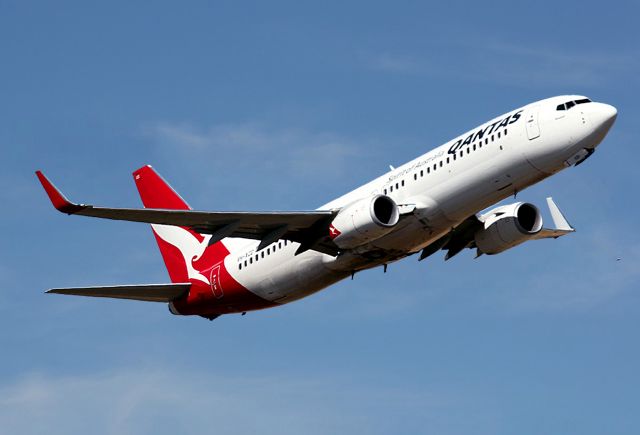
x,y
216,286
533,128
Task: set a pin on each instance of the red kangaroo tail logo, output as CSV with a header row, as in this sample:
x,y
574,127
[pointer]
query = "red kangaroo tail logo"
x,y
333,232
186,254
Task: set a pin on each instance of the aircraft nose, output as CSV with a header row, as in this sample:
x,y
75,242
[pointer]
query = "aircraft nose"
x,y
603,116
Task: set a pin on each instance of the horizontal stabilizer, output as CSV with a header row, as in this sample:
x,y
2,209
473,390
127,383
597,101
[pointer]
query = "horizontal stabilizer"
x,y
144,292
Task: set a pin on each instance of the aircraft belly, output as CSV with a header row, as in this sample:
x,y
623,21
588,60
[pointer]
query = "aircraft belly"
x,y
483,185
411,238
294,278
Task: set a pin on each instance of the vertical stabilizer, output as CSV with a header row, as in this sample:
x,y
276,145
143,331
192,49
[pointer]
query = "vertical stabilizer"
x,y
155,192
186,254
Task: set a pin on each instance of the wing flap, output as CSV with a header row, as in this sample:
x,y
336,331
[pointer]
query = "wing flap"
x,y
144,292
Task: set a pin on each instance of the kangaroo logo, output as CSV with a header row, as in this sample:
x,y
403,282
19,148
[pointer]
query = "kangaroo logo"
x,y
333,232
191,249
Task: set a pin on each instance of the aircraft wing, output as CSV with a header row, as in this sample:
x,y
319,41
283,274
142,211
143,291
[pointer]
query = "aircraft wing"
x,y
463,236
145,292
309,228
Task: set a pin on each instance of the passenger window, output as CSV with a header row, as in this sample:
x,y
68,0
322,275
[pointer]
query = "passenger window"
x,y
422,172
415,176
434,166
486,141
447,160
454,156
262,254
402,183
391,188
240,266
474,147
498,135
461,154
251,260
491,138
397,186
468,150
505,131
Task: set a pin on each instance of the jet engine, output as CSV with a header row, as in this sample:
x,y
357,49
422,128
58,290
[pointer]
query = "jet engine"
x,y
508,226
363,221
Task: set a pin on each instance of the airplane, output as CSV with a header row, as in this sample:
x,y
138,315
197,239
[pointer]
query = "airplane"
x,y
235,262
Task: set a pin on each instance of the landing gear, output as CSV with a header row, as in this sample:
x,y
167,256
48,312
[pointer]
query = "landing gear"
x,y
579,157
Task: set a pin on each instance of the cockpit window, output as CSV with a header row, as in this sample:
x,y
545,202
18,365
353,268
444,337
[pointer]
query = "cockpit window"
x,y
569,104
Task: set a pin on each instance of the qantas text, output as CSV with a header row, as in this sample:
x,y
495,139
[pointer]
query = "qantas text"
x,y
487,130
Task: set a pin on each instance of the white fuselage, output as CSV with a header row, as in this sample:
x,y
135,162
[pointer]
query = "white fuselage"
x,y
491,163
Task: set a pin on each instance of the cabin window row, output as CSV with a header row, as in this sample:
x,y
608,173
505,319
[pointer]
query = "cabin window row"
x,y
263,253
441,163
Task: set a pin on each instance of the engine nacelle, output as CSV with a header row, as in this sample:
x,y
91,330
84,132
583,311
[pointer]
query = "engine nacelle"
x,y
363,221
508,226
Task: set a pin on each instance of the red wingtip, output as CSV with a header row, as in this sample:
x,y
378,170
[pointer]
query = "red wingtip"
x,y
57,198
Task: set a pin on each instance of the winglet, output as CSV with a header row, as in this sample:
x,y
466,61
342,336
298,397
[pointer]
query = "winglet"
x,y
59,201
562,227
559,220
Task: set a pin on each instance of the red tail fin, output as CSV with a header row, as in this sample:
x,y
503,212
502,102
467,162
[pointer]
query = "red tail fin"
x,y
155,192
186,253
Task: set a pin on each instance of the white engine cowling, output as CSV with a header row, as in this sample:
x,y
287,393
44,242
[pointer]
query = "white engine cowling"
x,y
508,226
363,221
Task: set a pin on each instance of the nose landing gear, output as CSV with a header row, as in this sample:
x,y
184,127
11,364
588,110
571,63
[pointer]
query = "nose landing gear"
x,y
579,157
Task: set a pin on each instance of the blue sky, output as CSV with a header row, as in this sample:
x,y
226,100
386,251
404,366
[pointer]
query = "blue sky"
x,y
285,105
